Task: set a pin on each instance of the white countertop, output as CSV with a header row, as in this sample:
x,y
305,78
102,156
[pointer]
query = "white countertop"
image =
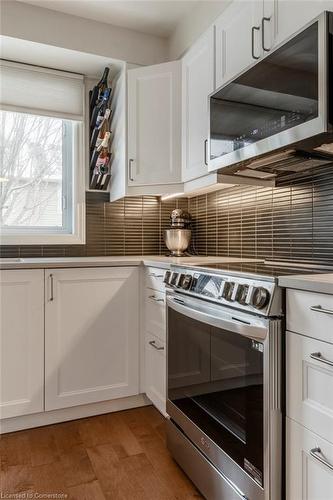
x,y
135,260
321,283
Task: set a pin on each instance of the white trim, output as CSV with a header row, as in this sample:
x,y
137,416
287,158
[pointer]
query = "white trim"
x,y
75,412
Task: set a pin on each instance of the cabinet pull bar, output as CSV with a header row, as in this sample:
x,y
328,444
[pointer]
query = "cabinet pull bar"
x,y
153,344
319,357
254,28
314,453
154,298
205,151
153,275
130,161
51,288
267,19
321,309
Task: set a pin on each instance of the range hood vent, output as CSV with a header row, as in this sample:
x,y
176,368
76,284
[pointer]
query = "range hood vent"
x,y
287,162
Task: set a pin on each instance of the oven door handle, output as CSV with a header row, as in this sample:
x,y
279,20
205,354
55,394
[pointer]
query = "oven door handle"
x,y
233,324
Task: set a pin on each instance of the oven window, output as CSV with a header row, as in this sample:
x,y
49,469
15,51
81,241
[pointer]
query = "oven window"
x,y
215,377
276,94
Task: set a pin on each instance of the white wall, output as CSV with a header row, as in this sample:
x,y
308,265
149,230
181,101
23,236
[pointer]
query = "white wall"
x,y
27,22
191,27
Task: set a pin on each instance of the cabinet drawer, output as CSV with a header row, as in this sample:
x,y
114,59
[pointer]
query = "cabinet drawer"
x,y
155,321
309,476
155,376
154,278
310,383
306,314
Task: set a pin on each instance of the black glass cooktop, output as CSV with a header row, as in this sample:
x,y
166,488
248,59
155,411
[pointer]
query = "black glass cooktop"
x,y
266,268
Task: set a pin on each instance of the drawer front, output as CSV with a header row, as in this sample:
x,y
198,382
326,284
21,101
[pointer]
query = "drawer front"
x,y
155,313
155,368
306,314
310,383
309,476
154,278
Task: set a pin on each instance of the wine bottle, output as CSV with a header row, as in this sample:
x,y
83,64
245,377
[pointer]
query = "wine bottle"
x,y
99,89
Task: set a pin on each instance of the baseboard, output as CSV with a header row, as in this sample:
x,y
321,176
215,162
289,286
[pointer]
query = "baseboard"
x,y
55,416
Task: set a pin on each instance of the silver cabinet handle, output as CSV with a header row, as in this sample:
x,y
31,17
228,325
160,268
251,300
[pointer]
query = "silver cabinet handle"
x,y
130,175
321,309
254,28
51,288
319,357
154,298
315,454
153,275
264,19
205,151
153,344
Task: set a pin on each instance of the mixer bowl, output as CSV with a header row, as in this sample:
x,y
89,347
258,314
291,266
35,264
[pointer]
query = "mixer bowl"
x,y
177,240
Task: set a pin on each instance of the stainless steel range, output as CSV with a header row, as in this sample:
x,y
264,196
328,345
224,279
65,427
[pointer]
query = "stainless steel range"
x,y
224,378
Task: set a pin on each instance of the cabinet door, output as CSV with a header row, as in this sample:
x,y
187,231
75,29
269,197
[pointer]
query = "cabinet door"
x,y
238,39
310,383
155,370
91,335
293,15
198,81
21,342
309,476
154,124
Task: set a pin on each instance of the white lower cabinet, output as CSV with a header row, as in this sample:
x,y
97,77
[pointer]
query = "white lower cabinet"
x,y
21,342
309,464
91,335
155,364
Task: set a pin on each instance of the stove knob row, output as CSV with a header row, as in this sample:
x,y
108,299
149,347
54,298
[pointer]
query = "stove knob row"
x,y
177,280
260,297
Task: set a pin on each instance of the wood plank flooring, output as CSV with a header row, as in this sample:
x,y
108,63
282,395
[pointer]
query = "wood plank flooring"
x,y
117,456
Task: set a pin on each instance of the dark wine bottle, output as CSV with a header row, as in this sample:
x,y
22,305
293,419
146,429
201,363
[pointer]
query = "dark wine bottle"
x,y
103,83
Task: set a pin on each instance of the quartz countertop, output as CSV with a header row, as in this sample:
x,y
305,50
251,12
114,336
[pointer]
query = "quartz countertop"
x,y
112,261
321,283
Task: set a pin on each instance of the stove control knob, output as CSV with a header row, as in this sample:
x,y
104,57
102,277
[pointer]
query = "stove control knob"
x,y
241,294
187,281
228,290
179,283
167,277
260,297
174,279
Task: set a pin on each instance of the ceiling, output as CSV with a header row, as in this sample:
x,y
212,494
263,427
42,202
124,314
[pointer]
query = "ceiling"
x,y
157,17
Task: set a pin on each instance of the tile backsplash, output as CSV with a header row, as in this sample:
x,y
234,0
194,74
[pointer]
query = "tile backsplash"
x,y
131,226
292,221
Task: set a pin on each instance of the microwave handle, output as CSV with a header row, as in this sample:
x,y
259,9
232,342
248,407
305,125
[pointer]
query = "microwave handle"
x,y
233,324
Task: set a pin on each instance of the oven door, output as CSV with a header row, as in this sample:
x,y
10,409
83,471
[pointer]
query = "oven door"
x,y
216,378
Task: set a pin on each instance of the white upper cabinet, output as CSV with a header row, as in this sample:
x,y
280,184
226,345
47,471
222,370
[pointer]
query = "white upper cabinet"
x,y
238,39
21,342
293,15
198,81
154,124
91,335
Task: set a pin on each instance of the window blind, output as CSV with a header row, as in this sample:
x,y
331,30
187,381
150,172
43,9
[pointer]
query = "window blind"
x,y
41,91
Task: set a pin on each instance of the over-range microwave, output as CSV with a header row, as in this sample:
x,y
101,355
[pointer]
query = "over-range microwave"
x,y
276,117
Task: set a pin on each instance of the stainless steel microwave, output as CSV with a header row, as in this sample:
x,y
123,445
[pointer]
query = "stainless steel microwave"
x,y
276,117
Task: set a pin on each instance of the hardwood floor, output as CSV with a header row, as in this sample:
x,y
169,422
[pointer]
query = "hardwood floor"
x,y
117,456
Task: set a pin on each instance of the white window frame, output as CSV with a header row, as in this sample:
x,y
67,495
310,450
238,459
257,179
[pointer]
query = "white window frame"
x,y
50,235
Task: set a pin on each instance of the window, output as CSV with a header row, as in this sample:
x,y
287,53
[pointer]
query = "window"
x,y
41,177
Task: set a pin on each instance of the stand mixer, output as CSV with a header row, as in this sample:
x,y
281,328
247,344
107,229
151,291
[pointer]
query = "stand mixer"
x,y
177,238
